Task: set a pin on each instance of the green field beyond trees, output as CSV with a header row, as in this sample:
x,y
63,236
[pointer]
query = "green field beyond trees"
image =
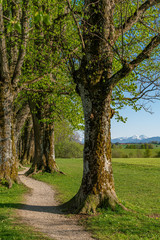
x,y
137,184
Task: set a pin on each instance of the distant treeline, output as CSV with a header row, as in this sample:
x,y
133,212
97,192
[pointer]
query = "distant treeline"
x,y
151,145
72,149
140,150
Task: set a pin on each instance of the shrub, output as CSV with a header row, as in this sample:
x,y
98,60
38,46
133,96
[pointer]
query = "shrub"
x,y
158,154
147,153
68,149
116,153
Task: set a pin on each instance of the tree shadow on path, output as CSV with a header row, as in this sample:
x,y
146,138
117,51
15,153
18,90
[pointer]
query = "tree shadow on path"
x,y
33,208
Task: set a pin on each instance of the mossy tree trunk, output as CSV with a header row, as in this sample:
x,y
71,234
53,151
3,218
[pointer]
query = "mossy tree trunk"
x,y
97,187
11,61
96,77
49,148
25,143
44,156
8,165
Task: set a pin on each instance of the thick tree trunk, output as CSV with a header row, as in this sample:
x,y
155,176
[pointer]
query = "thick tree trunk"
x,y
49,148
8,165
97,187
11,61
25,143
44,156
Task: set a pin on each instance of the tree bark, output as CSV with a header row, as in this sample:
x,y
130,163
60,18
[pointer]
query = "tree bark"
x,y
97,187
49,148
44,155
25,143
8,165
11,61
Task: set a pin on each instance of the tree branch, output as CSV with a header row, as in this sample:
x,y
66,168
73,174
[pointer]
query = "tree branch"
x,y
22,50
6,18
135,17
34,80
4,68
147,26
49,90
77,24
128,67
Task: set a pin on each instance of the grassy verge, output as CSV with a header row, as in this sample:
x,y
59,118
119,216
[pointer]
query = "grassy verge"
x,y
137,184
10,226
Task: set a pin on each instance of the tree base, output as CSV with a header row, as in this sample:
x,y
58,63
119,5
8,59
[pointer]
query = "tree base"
x,y
9,174
8,182
34,171
91,203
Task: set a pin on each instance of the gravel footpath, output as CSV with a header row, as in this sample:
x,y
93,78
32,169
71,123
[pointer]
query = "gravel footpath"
x,y
41,211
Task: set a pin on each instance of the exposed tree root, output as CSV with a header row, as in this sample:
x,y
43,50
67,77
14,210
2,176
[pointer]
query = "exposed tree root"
x,y
91,203
8,182
32,172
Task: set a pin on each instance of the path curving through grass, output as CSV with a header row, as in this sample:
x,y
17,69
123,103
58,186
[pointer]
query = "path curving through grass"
x,y
41,211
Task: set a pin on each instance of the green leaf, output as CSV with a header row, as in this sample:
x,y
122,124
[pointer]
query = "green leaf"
x,y
46,20
9,28
38,17
17,27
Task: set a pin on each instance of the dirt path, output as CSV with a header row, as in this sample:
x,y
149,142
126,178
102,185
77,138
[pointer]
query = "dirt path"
x,y
41,211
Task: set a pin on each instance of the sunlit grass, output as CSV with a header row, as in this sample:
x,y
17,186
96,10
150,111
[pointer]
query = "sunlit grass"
x,y
137,183
10,226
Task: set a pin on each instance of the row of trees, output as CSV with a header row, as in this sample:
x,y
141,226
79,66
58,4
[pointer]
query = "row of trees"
x,y
136,153
140,146
106,51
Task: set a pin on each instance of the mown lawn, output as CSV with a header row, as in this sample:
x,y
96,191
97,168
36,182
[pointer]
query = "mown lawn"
x,y
137,184
10,226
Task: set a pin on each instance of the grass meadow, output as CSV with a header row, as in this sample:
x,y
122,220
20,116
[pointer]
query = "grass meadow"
x,y
137,183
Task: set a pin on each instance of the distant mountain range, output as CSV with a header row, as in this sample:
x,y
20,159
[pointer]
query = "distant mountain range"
x,y
133,139
136,139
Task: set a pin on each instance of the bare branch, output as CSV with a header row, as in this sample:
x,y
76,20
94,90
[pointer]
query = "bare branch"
x,y
22,50
6,18
152,29
136,16
128,67
34,80
37,90
77,24
49,90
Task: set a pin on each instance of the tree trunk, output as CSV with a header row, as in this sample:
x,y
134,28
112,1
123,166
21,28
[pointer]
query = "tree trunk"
x,y
8,168
49,148
97,187
25,143
44,155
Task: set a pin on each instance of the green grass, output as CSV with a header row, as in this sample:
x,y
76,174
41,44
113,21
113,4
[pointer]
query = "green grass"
x,y
137,183
67,185
10,226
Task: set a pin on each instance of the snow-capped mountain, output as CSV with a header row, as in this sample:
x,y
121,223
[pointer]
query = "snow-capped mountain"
x,y
136,139
133,139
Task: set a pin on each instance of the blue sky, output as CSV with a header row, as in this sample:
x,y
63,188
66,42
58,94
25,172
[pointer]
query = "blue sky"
x,y
138,123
